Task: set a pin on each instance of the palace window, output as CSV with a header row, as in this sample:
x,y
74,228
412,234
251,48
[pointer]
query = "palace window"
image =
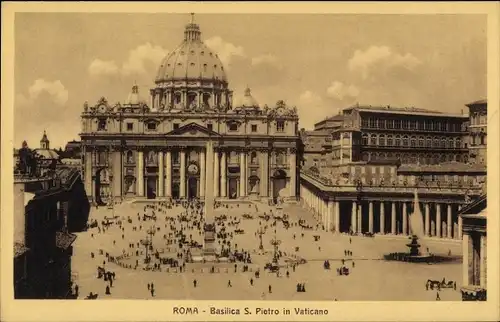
x,y
397,124
442,159
364,122
437,126
151,126
443,143
389,140
483,139
398,140
364,139
413,125
373,122
210,126
177,98
420,125
381,140
450,143
420,142
280,126
176,126
254,128
421,159
389,124
365,156
428,142
175,157
451,157
233,127
413,159
101,125
435,143
405,141
381,124
373,139
405,124
130,126
413,142
444,126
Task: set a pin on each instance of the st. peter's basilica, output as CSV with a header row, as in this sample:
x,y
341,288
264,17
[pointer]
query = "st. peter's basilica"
x,y
157,150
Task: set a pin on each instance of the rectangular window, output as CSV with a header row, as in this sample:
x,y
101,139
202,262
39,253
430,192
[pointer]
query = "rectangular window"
x,y
176,126
233,127
101,126
280,126
210,126
151,126
254,128
130,126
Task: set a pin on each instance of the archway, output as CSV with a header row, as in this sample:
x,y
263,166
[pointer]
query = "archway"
x,y
279,184
101,182
175,190
151,188
192,188
233,188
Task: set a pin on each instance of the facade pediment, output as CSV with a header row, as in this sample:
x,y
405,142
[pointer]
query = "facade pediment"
x,y
193,130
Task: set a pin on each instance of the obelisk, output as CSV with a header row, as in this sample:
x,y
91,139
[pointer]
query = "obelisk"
x,y
209,227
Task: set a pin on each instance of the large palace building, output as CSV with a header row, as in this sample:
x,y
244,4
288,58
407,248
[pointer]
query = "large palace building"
x,y
362,168
158,151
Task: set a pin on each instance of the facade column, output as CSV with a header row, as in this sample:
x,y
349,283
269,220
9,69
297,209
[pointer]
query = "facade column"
x,y
482,261
466,242
405,218
370,217
223,170
460,227
202,172
438,220
337,216
168,176
449,223
88,174
393,218
360,217
216,172
140,174
242,174
427,220
382,217
354,216
293,173
161,185
182,187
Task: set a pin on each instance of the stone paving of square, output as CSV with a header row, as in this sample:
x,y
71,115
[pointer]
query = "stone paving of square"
x,y
371,278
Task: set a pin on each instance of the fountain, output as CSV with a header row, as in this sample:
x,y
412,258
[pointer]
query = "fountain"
x,y
416,253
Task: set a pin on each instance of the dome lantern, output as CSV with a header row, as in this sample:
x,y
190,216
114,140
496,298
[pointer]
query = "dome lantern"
x,y
192,31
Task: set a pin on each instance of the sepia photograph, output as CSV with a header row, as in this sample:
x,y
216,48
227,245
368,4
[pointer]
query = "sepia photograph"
x,y
210,156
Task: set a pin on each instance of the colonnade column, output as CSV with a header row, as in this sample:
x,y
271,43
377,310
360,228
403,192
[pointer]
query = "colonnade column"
x,y
242,174
360,217
460,225
223,188
438,220
140,174
427,224
482,261
216,172
168,176
337,216
354,217
293,173
466,250
393,218
161,185
382,217
202,172
405,219
182,187
370,217
449,223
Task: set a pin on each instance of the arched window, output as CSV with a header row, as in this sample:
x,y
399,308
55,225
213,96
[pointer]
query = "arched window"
x,y
428,142
420,141
413,158
404,158
389,140
466,158
435,143
443,143
442,158
364,139
458,158
428,159
450,143
373,139
483,139
413,142
177,98
451,157
405,141
457,143
381,140
398,140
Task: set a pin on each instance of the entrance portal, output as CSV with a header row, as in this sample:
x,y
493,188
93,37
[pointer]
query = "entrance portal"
x,y
175,190
233,188
151,188
192,188
279,184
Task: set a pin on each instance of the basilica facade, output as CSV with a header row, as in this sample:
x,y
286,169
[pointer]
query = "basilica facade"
x,y
157,150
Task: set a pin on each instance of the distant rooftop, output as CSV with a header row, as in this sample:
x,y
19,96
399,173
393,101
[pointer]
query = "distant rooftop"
x,y
400,110
479,102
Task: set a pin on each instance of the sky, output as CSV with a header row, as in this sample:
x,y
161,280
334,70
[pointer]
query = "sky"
x,y
320,63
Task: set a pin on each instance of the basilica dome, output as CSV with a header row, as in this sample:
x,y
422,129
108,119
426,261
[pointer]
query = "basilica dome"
x,y
191,60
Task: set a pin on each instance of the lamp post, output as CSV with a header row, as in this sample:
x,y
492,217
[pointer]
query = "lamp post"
x,y
260,232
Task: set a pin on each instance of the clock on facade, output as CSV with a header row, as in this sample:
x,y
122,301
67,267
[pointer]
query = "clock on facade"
x,y
102,108
193,169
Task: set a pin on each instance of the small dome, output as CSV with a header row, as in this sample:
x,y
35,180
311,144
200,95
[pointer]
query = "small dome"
x,y
134,97
192,59
248,100
44,137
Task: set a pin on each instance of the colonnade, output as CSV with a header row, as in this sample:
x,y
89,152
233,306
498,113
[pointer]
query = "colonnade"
x,y
382,217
